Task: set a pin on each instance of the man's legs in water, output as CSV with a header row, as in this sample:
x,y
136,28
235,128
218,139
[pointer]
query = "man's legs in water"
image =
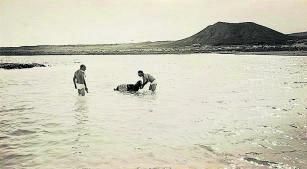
x,y
81,92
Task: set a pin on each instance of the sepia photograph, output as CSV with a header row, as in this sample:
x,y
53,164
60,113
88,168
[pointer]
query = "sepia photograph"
x,y
153,84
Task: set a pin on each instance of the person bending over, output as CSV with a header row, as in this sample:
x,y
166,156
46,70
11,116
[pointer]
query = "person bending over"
x,y
148,78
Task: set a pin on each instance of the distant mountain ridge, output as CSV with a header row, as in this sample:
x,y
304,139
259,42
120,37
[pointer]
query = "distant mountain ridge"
x,y
246,33
300,35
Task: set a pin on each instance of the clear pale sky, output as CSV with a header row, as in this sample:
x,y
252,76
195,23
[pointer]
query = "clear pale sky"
x,y
38,22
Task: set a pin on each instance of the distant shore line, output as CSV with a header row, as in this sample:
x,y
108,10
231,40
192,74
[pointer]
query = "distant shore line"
x,y
122,50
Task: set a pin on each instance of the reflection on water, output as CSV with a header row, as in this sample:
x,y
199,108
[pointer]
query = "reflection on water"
x,y
81,129
214,111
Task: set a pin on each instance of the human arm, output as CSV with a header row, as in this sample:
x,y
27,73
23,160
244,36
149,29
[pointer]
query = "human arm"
x,y
144,83
86,89
74,80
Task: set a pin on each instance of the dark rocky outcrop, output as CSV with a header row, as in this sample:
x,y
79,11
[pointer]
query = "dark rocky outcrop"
x,y
19,65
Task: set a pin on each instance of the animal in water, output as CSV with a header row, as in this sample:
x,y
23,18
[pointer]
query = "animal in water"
x,y
129,87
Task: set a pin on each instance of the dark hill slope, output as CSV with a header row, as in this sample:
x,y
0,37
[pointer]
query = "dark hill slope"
x,y
300,35
247,33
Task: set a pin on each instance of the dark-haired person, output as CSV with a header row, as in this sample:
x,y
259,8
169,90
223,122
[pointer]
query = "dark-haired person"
x,y
148,78
79,80
129,87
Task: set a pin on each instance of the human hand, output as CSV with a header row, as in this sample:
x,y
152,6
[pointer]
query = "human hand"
x,y
86,89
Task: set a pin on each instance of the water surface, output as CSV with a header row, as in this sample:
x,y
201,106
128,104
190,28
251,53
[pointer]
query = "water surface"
x,y
209,111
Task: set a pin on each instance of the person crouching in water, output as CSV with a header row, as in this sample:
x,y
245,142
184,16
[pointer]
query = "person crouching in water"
x,y
79,80
148,78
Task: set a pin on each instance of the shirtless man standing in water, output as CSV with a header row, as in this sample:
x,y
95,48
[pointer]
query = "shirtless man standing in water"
x,y
79,81
148,78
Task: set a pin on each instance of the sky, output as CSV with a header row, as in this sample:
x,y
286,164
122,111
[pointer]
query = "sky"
x,y
55,22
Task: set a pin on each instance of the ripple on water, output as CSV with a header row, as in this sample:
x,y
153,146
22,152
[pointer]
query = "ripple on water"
x,y
51,125
260,162
15,160
20,132
3,137
267,163
207,148
17,109
14,156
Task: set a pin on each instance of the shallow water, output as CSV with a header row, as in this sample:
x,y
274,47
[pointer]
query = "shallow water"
x,y
209,111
